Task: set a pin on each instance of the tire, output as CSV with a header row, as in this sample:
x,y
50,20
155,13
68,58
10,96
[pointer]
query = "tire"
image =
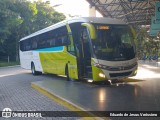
x,y
67,73
34,72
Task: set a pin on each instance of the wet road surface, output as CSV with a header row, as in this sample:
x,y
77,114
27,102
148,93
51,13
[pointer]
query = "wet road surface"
x,y
141,94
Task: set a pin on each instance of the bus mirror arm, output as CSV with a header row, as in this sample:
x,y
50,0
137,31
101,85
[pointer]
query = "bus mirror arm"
x,y
91,29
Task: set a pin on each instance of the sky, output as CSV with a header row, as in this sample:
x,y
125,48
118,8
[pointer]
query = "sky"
x,y
72,7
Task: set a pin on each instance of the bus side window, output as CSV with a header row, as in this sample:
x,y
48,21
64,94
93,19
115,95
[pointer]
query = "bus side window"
x,y
58,41
48,43
22,47
62,41
41,44
52,42
65,40
34,44
27,45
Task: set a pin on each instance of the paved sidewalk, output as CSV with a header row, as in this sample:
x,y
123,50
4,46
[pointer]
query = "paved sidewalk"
x,y
16,93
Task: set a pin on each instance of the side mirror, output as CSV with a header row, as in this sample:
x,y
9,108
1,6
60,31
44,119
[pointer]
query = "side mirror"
x,y
91,29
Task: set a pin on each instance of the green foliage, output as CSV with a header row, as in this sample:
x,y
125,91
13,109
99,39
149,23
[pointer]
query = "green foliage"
x,y
147,45
19,18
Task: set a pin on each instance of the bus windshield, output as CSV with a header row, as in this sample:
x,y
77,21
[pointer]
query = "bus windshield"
x,y
113,43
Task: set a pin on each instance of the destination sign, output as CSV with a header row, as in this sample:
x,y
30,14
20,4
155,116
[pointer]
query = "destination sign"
x,y
103,27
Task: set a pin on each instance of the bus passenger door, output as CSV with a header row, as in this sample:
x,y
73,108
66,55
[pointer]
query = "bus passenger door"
x,y
85,53
71,56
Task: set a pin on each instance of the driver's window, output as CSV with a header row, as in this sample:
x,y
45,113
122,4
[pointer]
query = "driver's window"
x,y
126,40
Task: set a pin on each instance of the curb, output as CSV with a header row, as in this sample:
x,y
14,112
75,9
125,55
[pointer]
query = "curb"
x,y
67,104
133,80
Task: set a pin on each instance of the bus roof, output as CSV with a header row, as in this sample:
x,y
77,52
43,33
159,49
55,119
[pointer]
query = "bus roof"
x,y
101,20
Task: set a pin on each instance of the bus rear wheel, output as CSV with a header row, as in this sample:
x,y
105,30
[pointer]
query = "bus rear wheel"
x,y
33,70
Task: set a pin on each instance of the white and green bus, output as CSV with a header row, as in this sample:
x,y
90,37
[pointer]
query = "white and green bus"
x,y
91,48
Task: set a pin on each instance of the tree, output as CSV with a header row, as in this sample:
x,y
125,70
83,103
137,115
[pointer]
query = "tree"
x,y
20,18
9,20
147,45
46,16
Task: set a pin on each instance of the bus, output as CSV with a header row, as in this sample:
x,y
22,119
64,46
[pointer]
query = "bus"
x,y
91,48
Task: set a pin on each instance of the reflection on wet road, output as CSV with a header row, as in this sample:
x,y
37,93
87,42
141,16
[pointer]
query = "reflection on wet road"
x,y
140,93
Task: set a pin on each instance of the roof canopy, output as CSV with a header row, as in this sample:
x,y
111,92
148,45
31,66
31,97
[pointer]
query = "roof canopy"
x,y
137,12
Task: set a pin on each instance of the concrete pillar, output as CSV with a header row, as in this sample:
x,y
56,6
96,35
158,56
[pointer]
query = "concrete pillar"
x,y
92,11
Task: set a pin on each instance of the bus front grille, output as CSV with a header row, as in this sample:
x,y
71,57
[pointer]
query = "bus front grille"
x,y
119,74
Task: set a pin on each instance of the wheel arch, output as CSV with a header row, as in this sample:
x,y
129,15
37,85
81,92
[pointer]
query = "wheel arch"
x,y
32,63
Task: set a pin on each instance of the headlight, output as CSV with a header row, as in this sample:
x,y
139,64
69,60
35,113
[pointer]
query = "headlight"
x,y
102,75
